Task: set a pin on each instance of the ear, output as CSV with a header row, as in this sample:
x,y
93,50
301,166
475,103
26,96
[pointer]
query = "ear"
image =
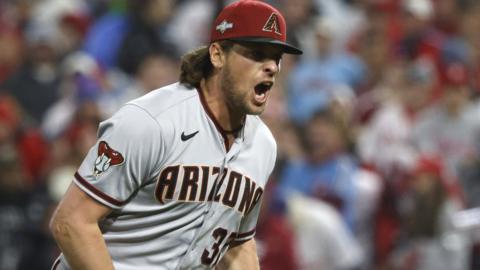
x,y
217,55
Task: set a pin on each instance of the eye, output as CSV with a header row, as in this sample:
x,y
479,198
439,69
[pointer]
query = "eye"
x,y
256,55
260,56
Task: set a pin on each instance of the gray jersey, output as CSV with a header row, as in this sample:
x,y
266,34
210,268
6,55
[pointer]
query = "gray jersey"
x,y
179,197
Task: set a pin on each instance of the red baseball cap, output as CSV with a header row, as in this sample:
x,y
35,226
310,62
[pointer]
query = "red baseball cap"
x,y
252,21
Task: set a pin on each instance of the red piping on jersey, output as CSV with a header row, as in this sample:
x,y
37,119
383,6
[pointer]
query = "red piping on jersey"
x,y
214,120
97,192
246,234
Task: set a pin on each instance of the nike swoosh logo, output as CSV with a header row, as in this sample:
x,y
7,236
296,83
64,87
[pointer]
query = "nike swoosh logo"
x,y
189,136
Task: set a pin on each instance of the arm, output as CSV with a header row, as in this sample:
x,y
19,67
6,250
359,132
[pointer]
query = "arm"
x,y
240,256
74,226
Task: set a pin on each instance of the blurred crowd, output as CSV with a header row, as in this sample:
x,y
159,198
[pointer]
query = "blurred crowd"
x,y
377,123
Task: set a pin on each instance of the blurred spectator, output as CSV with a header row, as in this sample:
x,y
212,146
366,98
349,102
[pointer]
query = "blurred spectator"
x,y
300,16
447,16
469,24
314,82
386,142
72,27
110,28
373,45
82,80
24,214
35,85
327,171
450,127
147,33
10,51
154,70
322,239
420,38
347,17
429,240
189,28
28,141
69,148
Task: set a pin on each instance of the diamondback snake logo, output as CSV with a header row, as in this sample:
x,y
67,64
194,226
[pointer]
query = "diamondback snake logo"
x,y
107,157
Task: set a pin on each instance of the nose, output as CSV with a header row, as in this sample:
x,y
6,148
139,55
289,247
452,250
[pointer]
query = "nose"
x,y
271,67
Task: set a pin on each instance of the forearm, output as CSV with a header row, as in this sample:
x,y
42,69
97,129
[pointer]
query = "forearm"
x,y
82,245
243,256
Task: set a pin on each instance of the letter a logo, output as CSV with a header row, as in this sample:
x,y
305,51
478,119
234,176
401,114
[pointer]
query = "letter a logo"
x,y
272,24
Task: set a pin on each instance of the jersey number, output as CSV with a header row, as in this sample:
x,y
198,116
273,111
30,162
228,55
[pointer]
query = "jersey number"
x,y
219,234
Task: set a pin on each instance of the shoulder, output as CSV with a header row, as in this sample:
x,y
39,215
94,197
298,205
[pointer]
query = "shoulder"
x,y
131,122
152,113
164,99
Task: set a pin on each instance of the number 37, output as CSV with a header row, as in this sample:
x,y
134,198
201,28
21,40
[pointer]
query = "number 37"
x,y
212,256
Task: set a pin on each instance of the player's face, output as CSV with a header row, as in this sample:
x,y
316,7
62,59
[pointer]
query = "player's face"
x,y
249,75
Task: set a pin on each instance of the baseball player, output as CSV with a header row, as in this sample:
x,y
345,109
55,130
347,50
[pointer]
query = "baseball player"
x,y
176,178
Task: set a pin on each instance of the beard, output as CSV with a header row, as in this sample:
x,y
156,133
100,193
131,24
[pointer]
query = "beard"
x,y
236,99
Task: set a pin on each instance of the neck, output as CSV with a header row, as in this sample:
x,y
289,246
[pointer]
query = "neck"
x,y
216,100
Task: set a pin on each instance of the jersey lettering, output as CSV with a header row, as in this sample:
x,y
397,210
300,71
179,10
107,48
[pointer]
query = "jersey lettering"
x,y
166,183
203,191
231,192
190,178
192,182
247,196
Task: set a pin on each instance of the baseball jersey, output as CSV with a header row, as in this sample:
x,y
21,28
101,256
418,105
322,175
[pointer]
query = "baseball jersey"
x,y
179,196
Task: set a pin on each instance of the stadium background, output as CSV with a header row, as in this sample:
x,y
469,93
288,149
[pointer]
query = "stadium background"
x,y
378,123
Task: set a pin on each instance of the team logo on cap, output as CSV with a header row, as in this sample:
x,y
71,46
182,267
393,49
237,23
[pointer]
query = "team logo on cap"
x,y
272,24
106,157
224,26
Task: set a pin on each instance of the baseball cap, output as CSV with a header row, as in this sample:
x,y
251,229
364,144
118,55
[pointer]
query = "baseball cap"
x,y
252,21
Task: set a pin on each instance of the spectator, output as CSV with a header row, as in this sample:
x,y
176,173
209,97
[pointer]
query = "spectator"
x,y
429,239
386,142
315,81
450,127
327,170
24,213
154,70
147,34
35,85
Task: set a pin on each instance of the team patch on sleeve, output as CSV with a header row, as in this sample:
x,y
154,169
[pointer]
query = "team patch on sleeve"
x,y
106,157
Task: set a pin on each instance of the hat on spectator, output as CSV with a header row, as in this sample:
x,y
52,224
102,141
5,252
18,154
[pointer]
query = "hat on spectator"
x,y
252,21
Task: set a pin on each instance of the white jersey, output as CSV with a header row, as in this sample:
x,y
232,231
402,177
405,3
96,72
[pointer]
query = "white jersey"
x,y
179,197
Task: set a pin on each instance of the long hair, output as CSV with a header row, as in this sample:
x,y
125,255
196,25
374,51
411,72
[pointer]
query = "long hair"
x,y
196,64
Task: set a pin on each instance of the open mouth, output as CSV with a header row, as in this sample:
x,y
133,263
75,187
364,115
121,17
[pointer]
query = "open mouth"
x,y
261,90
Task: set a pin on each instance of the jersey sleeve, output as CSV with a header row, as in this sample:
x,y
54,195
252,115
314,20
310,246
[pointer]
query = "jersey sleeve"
x,y
249,223
128,149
